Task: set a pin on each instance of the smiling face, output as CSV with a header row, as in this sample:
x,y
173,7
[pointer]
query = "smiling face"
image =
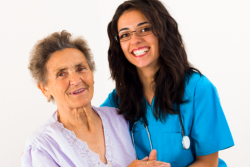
x,y
140,51
70,80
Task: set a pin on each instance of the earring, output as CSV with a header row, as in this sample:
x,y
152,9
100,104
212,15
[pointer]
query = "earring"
x,y
48,99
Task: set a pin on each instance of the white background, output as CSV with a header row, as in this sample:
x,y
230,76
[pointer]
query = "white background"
x,y
217,38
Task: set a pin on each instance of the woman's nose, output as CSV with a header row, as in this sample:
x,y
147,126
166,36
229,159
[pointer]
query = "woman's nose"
x,y
135,39
75,79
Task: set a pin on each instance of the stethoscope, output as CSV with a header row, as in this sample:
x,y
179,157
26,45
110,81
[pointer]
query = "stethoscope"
x,y
185,139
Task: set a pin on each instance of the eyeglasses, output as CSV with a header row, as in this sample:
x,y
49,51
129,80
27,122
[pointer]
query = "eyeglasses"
x,y
141,31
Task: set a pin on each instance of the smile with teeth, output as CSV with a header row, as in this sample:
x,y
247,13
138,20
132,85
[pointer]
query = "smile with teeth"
x,y
78,91
140,52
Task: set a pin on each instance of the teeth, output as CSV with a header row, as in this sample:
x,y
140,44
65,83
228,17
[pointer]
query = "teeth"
x,y
141,51
79,91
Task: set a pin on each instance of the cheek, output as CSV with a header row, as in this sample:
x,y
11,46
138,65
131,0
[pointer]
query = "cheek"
x,y
92,81
53,80
155,44
88,79
58,87
125,47
59,83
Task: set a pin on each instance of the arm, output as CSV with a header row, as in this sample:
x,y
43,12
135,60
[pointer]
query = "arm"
x,y
210,132
210,160
37,158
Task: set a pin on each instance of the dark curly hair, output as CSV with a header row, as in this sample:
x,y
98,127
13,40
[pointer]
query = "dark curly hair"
x,y
169,79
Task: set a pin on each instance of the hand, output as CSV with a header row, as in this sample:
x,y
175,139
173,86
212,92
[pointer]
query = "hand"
x,y
149,161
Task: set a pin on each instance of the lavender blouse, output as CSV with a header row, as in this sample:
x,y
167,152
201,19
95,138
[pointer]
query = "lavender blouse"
x,y
52,145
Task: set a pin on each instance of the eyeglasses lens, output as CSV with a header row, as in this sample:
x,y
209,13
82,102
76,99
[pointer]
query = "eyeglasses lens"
x,y
142,31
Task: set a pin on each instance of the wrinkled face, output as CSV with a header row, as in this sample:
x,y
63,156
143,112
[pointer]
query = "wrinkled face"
x,y
141,51
70,80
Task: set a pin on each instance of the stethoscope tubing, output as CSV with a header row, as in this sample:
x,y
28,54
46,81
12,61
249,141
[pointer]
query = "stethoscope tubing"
x,y
185,141
149,137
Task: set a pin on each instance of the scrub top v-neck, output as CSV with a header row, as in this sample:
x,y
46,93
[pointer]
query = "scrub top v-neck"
x,y
203,120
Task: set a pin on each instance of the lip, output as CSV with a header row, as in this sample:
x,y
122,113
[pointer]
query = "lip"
x,y
74,92
132,52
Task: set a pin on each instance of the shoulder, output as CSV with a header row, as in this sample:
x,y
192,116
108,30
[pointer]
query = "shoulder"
x,y
111,100
111,115
196,83
38,135
109,112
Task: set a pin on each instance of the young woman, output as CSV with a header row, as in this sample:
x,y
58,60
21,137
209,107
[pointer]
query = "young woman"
x,y
171,106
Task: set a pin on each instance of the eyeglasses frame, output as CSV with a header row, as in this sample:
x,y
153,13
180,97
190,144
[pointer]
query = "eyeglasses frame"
x,y
131,33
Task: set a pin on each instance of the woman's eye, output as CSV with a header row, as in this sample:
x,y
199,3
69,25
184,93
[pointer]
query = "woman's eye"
x,y
124,35
81,69
145,29
60,74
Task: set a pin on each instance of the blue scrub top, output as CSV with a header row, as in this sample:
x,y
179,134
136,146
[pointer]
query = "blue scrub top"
x,y
203,120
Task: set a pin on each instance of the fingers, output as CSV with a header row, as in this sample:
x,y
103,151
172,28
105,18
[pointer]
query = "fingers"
x,y
145,159
147,163
157,164
153,155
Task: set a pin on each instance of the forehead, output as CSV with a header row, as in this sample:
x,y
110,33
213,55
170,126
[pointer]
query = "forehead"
x,y
65,58
130,19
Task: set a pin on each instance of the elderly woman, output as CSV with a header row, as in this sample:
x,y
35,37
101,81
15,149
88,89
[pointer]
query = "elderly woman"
x,y
77,134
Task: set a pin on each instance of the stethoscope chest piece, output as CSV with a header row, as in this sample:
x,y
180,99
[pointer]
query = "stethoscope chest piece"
x,y
186,142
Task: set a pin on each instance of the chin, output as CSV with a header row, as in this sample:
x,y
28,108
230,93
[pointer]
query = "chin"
x,y
82,103
142,65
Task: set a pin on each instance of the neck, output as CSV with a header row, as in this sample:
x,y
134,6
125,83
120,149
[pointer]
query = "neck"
x,y
146,76
77,118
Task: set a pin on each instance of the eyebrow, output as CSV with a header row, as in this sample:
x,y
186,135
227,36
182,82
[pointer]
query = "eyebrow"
x,y
61,69
76,66
137,26
142,23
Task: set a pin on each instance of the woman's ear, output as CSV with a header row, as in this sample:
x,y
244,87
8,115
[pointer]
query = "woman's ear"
x,y
46,92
